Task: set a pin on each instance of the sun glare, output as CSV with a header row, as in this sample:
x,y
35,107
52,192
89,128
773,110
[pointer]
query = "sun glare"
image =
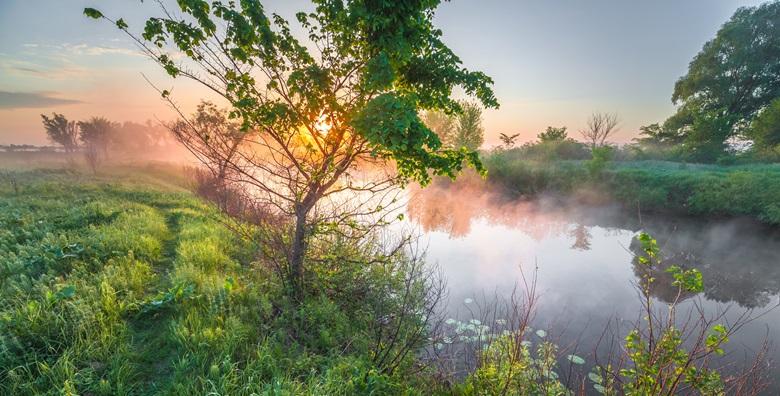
x,y
323,125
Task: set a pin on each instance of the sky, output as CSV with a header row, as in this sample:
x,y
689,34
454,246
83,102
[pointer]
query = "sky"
x,y
554,62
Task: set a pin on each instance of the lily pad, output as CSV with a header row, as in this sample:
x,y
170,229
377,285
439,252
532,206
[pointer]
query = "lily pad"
x,y
575,359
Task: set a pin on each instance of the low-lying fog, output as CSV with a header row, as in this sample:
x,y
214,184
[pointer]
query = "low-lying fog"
x,y
583,258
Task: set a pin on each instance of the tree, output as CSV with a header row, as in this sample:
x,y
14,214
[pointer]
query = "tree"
x,y
552,134
459,130
96,134
600,127
733,77
764,131
214,140
468,131
61,131
313,111
442,124
659,135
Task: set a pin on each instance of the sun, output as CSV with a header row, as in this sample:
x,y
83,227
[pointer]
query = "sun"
x,y
323,124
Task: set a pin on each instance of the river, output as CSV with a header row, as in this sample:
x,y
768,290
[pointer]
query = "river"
x,y
583,259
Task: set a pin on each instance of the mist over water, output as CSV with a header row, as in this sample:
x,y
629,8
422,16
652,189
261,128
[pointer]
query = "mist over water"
x,y
583,259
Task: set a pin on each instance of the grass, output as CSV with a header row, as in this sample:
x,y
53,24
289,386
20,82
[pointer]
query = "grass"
x,y
125,284
695,189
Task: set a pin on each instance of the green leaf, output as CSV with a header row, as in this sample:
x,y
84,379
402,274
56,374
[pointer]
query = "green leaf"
x,y
93,13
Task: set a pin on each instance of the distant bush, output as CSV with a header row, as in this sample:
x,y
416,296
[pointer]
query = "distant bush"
x,y
740,190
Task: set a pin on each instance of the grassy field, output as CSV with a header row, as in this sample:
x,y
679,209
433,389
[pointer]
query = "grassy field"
x,y
125,283
134,287
695,189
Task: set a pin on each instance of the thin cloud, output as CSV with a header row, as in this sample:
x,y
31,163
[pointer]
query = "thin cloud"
x,y
57,68
29,100
97,50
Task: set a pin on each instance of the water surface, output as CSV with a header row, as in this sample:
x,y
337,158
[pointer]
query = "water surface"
x,y
583,257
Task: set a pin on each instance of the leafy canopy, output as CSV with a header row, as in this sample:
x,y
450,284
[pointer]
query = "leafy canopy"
x,y
376,65
733,77
553,134
61,131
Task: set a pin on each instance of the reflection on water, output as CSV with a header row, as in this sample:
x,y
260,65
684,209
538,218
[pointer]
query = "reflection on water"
x,y
584,258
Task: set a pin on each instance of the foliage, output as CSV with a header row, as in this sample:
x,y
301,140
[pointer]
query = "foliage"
x,y
314,111
712,190
61,131
512,367
212,138
661,363
731,80
553,144
512,172
460,130
97,132
601,157
764,131
469,132
659,135
553,134
96,135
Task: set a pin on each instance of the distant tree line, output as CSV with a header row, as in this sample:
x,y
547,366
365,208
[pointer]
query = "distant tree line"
x,y
10,148
98,137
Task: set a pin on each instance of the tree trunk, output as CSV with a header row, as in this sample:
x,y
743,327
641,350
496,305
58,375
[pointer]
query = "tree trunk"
x,y
297,254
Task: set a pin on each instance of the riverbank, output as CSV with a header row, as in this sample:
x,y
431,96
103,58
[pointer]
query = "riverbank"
x,y
126,283
653,186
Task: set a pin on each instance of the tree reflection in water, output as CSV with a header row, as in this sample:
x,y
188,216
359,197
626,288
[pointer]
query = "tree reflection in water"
x,y
738,258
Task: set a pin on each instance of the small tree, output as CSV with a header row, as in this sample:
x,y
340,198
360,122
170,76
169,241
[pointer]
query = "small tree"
x,y
442,124
214,140
600,127
469,132
553,134
459,130
95,136
313,112
61,131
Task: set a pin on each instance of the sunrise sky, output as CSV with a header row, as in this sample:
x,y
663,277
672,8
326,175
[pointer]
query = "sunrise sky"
x,y
553,61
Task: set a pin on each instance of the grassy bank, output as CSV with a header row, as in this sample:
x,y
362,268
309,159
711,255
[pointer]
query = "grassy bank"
x,y
705,190
137,288
126,284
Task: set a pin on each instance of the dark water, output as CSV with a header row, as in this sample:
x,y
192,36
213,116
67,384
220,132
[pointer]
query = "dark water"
x,y
583,258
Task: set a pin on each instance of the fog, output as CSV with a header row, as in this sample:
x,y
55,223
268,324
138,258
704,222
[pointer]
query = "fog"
x,y
583,256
